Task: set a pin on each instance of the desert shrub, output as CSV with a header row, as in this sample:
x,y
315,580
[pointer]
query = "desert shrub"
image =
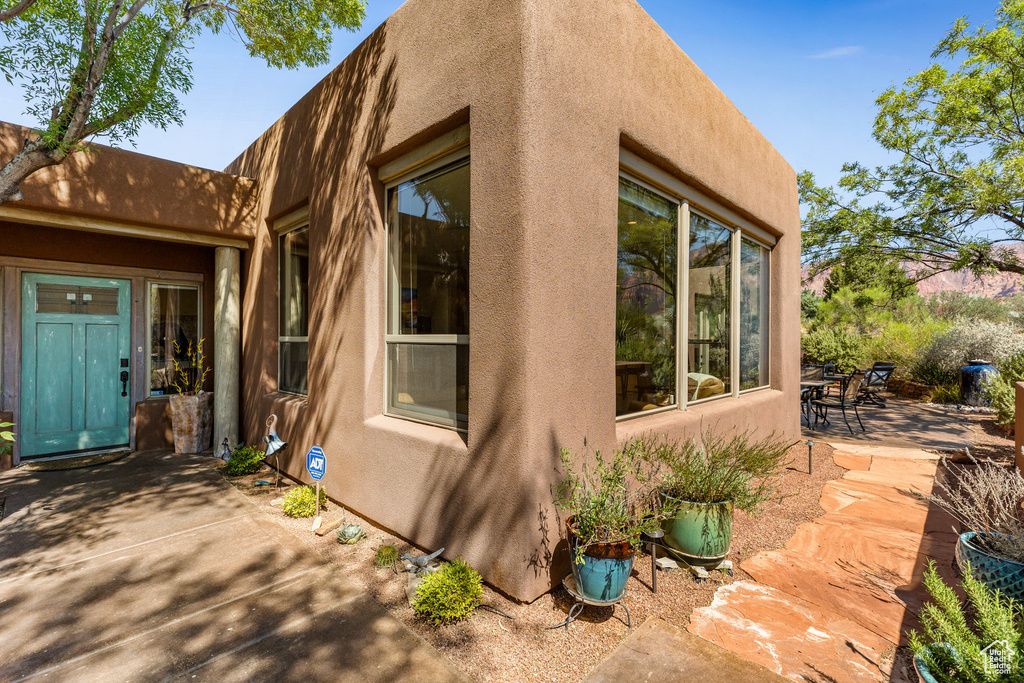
x,y
967,340
386,556
831,345
961,634
946,393
245,460
986,498
301,502
902,343
448,595
1001,391
809,303
959,306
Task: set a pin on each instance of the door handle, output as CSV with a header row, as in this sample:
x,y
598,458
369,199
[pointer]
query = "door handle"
x,y
124,382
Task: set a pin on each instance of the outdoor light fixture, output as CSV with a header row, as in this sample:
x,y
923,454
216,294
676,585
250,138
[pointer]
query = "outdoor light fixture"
x,y
810,446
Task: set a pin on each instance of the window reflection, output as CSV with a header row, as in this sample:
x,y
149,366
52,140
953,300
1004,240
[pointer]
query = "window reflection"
x,y
173,325
753,314
645,312
709,304
293,343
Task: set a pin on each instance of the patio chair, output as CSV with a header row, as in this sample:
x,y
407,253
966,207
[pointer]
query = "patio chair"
x,y
876,380
811,372
846,398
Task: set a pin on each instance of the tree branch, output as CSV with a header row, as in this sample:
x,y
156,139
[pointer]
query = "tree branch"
x,y
11,12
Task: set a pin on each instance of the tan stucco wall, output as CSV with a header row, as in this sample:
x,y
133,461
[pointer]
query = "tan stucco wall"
x,y
551,90
126,187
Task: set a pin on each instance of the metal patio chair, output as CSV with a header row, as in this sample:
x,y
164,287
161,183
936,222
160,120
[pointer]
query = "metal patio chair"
x,y
876,381
844,399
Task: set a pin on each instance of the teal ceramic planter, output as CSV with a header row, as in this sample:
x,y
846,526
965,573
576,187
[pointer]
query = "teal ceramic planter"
x,y
606,568
923,670
997,573
702,532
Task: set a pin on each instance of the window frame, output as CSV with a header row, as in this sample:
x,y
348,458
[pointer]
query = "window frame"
x,y
454,148
181,284
692,201
296,220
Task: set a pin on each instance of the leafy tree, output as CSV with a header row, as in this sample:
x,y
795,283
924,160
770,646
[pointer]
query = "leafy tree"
x,y
863,274
960,137
93,68
809,303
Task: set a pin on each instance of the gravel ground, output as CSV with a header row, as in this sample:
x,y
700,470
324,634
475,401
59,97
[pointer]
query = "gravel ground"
x,y
489,647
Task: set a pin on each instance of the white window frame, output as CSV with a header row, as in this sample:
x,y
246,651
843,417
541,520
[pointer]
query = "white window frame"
x,y
446,150
690,201
296,220
180,284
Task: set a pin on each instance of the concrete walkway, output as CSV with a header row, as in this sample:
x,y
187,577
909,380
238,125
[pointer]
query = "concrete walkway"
x,y
154,568
836,601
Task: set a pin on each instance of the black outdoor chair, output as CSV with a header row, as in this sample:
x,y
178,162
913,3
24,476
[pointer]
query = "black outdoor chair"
x,y
845,398
811,372
876,381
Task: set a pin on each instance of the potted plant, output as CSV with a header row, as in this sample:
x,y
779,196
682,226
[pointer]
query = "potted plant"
x,y
984,642
191,407
704,481
611,503
987,501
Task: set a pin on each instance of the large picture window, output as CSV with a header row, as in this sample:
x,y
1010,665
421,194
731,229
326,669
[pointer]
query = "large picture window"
x,y
428,317
683,274
293,292
645,311
174,324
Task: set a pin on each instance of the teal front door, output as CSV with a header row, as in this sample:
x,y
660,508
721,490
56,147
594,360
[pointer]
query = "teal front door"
x,y
75,344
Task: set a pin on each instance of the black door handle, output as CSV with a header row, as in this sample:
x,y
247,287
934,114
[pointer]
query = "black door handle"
x,y
124,382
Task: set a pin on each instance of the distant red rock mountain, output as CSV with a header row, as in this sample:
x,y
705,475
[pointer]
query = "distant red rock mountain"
x,y
992,286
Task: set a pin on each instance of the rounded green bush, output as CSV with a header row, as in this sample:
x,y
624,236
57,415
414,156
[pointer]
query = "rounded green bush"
x,y
301,502
245,460
386,555
450,594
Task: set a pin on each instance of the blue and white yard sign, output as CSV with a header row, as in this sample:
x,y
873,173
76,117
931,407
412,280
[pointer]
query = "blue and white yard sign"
x,y
316,462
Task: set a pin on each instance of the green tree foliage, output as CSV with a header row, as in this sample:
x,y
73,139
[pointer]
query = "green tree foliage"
x,y
809,303
1001,389
870,274
105,68
959,135
833,345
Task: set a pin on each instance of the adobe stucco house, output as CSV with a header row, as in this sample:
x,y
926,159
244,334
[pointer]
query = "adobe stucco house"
x,y
462,250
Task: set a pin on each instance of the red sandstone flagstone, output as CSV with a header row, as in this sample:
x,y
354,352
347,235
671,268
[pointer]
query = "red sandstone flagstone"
x,y
790,636
851,461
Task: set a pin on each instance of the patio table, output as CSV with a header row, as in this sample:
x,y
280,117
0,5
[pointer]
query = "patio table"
x,y
809,390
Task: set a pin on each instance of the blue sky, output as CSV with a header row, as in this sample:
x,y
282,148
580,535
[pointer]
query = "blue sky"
x,y
806,73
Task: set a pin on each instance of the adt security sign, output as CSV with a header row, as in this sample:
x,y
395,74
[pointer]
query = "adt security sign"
x,y
316,462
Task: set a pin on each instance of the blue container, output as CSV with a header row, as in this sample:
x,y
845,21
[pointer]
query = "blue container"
x,y
997,573
606,568
972,381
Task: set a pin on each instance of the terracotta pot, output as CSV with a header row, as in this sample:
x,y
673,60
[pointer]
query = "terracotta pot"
x,y
192,422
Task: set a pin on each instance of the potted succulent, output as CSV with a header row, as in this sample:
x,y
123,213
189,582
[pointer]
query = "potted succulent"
x,y
987,501
980,641
191,407
611,503
704,481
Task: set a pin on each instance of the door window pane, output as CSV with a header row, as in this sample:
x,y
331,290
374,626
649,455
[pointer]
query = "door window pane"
x,y
708,309
293,343
645,306
51,298
753,314
174,322
429,297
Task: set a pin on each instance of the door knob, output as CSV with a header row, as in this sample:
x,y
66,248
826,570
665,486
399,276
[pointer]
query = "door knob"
x,y
124,382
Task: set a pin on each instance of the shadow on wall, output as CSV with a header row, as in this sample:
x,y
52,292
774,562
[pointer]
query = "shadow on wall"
x,y
480,507
119,185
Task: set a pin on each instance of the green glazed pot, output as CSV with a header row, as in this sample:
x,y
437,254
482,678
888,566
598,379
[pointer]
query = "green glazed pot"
x,y
701,534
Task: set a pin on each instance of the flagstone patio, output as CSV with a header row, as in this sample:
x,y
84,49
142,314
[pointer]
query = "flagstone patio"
x,y
837,600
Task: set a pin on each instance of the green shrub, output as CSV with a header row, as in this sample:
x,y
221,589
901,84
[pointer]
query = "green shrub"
x,y
448,595
386,556
902,343
1001,390
947,394
301,502
962,640
831,345
245,460
969,340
